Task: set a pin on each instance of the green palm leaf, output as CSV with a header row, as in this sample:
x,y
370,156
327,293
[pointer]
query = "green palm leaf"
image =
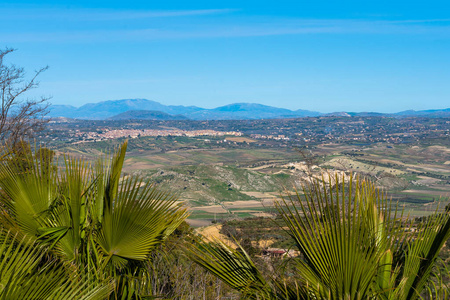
x,y
138,221
89,217
233,267
342,232
23,275
347,233
28,192
421,256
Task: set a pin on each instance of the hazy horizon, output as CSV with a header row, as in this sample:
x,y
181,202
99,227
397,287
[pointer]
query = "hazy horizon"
x,y
374,111
323,56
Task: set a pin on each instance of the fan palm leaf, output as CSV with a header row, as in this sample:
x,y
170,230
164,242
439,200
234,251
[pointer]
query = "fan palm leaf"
x,y
28,192
353,245
25,275
421,256
342,232
138,220
90,217
233,267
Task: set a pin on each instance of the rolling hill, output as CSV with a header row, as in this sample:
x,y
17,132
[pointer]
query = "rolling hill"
x,y
106,109
240,111
146,115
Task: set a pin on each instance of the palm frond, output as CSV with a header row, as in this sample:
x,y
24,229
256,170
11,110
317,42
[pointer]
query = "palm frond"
x,y
139,220
28,272
233,267
88,217
342,232
29,186
422,254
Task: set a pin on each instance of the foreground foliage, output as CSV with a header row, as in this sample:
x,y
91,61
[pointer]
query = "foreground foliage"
x,y
81,231
353,244
80,219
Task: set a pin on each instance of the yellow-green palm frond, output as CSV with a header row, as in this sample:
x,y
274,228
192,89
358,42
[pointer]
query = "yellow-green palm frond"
x,y
137,221
28,271
233,267
344,231
29,187
421,255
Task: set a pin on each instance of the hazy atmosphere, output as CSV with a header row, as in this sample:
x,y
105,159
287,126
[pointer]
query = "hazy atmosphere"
x,y
323,56
224,150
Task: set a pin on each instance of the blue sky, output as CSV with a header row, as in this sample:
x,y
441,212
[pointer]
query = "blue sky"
x,y
325,56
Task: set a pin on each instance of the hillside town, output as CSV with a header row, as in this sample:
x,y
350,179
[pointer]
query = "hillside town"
x,y
317,130
105,134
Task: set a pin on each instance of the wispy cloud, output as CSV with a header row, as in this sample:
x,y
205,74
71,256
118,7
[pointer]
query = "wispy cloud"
x,y
421,21
235,28
100,14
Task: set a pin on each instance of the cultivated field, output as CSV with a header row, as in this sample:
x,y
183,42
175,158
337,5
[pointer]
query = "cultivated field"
x,y
230,177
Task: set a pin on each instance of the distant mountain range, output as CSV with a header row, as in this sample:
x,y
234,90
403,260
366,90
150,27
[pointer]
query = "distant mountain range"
x,y
146,115
107,109
143,109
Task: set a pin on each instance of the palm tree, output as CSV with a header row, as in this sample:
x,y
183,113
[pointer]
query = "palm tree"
x,y
354,244
96,223
23,276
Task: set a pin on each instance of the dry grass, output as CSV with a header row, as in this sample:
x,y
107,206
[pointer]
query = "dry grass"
x,y
212,232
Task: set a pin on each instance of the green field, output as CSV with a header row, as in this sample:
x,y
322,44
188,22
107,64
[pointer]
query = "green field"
x,y
205,172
